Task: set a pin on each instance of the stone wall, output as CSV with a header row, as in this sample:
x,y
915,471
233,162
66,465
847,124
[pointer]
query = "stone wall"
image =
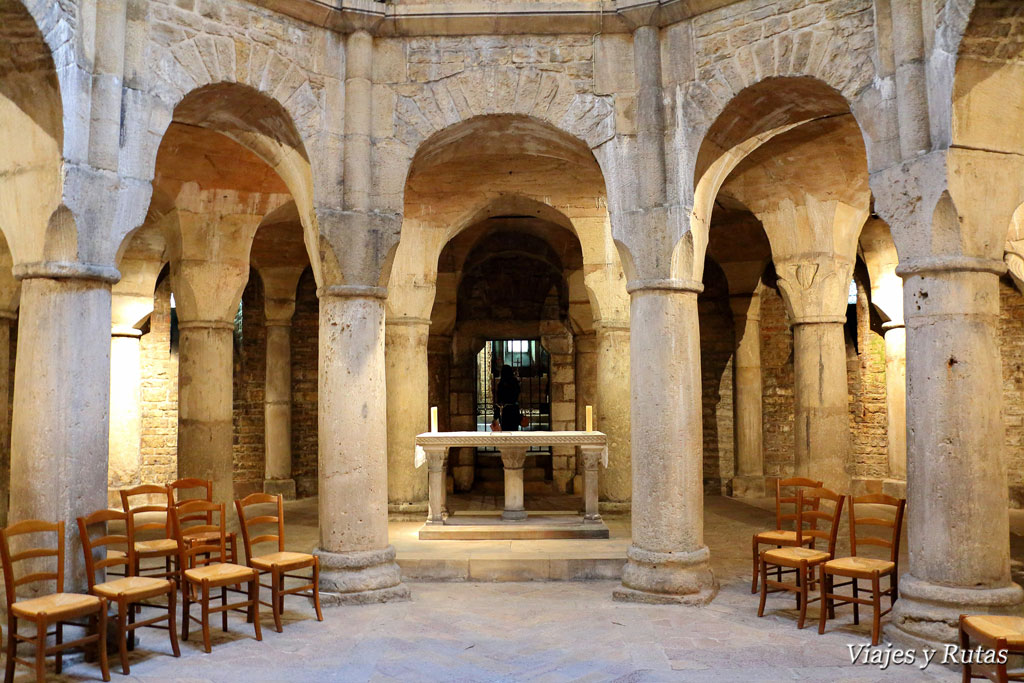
x,y
247,393
717,345
777,381
869,442
159,393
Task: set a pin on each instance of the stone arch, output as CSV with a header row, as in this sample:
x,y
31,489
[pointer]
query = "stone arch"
x,y
32,135
264,124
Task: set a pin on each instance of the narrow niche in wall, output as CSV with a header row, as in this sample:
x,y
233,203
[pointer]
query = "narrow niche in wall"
x,y
513,387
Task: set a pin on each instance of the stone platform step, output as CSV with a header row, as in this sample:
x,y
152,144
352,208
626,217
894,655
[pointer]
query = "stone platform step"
x,y
489,526
496,569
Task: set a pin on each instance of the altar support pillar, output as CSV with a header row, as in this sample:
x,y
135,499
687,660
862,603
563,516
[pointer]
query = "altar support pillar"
x,y
437,460
668,561
357,563
513,458
407,409
747,395
59,434
591,460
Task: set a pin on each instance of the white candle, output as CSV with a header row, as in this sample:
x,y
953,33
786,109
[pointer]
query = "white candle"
x,y
590,418
433,418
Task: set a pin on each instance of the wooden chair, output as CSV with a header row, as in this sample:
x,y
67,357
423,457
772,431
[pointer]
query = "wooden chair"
x,y
205,492
279,563
130,590
858,568
57,608
992,632
164,546
802,559
778,536
203,568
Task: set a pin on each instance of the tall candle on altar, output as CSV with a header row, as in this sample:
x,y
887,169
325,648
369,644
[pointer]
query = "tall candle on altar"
x,y
590,418
433,418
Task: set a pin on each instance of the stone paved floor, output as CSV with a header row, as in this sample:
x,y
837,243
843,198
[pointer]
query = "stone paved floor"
x,y
537,631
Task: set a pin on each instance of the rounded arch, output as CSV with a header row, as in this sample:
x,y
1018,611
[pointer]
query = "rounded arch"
x,y
32,137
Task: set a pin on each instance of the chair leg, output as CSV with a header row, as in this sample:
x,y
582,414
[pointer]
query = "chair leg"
x,y
131,631
101,628
753,574
122,633
894,583
825,602
856,607
223,603
40,651
275,593
802,580
965,645
764,587
206,616
254,598
172,627
876,605
831,588
186,604
12,648
59,657
316,590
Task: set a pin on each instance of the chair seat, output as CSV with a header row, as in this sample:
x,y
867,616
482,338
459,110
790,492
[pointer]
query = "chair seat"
x,y
225,573
792,557
779,537
206,536
282,560
993,627
57,605
159,545
133,587
858,566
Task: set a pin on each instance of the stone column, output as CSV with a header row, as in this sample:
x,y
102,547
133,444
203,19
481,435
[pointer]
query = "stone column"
x,y
747,429
205,420
407,411
513,459
437,459
279,285
5,426
125,410
896,397
357,563
668,560
591,459
612,411
59,434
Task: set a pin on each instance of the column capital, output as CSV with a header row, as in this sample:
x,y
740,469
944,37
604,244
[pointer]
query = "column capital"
x,y
277,322
407,321
66,270
950,264
121,331
206,325
665,285
353,292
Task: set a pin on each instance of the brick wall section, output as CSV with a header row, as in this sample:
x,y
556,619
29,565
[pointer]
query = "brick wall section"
x,y
250,362
777,385
305,360
869,442
159,393
717,342
1011,348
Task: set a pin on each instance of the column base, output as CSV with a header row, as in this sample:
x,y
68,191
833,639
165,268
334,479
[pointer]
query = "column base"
x,y
280,487
361,577
748,487
667,578
927,614
513,515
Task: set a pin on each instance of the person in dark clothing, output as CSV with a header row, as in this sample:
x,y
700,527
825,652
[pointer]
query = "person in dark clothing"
x,y
506,400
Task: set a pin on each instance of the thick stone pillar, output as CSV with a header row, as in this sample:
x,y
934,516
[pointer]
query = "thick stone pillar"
x,y
747,433
407,411
125,410
5,426
357,563
896,397
957,520
59,435
279,285
822,420
612,412
668,560
205,420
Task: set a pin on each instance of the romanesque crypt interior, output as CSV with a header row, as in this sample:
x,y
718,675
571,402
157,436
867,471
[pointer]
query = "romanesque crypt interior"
x,y
526,315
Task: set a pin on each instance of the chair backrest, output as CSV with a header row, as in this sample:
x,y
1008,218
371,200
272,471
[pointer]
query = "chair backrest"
x,y
106,539
162,496
189,517
9,559
248,522
894,523
788,497
808,517
197,489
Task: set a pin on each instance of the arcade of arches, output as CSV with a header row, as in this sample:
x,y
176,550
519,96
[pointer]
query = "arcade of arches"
x,y
255,242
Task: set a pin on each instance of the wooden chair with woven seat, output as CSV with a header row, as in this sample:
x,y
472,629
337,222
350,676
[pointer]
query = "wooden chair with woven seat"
x,y
128,591
779,537
156,502
204,568
1001,634
200,489
859,568
277,564
803,560
57,608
